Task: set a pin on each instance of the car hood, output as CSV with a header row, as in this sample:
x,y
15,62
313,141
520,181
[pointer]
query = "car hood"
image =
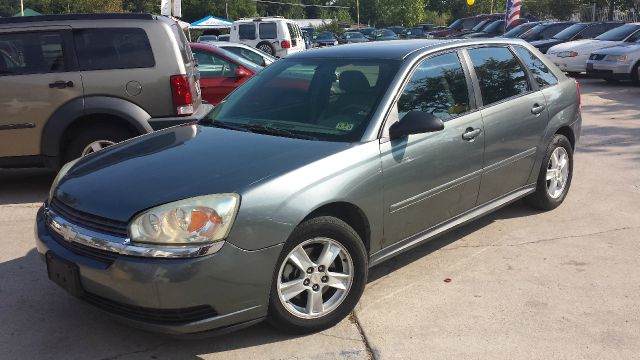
x,y
546,43
181,162
583,47
632,49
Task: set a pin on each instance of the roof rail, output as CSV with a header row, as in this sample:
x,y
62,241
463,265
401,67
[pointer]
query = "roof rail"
x,y
70,17
259,18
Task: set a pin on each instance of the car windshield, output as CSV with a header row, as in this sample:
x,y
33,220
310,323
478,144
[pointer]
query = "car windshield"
x,y
533,33
353,35
619,33
239,59
570,32
325,36
518,30
455,24
367,31
480,25
416,31
320,99
494,26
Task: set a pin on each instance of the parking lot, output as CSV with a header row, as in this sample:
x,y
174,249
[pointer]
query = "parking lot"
x,y
523,284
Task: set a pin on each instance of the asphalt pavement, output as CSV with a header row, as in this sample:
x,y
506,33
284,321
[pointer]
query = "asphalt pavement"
x,y
517,284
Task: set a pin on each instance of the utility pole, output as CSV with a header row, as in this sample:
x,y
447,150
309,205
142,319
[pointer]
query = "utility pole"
x,y
226,9
491,12
22,7
358,13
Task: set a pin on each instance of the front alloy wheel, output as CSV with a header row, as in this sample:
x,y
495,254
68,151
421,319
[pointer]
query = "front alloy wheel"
x,y
319,277
313,288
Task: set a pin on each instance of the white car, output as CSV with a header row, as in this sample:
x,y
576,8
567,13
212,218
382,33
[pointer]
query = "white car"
x,y
616,63
275,36
252,54
572,56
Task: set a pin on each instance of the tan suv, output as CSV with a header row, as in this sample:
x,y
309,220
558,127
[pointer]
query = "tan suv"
x,y
73,84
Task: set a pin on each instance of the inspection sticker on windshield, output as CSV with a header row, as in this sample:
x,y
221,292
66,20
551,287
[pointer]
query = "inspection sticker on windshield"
x,y
345,126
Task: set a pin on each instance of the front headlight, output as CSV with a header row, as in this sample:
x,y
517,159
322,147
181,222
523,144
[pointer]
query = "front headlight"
x,y
202,219
335,42
63,171
566,54
617,58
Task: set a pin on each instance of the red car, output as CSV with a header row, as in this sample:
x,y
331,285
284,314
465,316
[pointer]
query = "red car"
x,y
221,71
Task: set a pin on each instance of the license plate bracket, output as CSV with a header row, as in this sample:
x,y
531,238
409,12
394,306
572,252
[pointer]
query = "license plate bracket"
x,y
64,273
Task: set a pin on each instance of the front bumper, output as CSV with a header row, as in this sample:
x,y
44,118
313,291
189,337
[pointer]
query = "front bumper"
x,y
228,288
165,122
609,69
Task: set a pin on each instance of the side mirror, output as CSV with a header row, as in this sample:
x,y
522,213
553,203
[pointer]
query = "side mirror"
x,y
415,122
241,73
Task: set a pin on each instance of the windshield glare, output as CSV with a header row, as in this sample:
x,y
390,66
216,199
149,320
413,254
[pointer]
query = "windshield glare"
x,y
494,26
324,99
518,30
534,32
619,33
353,35
325,36
570,32
239,59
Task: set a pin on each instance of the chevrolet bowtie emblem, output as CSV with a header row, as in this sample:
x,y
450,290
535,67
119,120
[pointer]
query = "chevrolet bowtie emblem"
x,y
68,233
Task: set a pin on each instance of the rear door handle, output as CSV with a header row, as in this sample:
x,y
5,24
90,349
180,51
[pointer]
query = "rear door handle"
x,y
61,84
471,134
537,109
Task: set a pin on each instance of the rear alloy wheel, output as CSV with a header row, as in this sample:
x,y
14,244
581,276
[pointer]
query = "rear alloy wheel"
x,y
94,138
319,277
554,178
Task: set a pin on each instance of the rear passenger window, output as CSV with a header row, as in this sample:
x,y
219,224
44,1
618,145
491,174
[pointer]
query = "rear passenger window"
x,y
499,73
121,48
31,53
268,30
214,66
438,86
544,77
247,31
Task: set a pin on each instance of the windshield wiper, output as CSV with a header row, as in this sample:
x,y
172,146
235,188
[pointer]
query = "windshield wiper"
x,y
261,129
223,125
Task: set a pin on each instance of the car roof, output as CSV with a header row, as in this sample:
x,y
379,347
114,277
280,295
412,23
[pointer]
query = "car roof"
x,y
389,50
72,17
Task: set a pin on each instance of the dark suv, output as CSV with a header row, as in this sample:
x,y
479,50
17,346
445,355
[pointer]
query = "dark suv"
x,y
73,84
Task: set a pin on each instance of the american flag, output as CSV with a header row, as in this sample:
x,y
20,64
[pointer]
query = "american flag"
x,y
512,13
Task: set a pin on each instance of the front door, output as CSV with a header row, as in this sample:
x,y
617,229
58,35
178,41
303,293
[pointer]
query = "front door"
x,y
36,78
430,178
515,117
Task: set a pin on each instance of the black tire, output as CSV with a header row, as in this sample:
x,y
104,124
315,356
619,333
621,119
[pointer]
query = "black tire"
x,y
573,74
541,199
635,74
339,231
79,139
266,47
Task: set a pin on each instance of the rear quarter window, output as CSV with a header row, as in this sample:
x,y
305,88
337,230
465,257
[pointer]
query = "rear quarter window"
x,y
541,73
117,48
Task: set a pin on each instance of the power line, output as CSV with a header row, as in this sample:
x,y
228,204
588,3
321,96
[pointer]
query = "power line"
x,y
302,5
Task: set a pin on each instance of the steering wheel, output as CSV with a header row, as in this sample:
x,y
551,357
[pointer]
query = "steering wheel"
x,y
354,109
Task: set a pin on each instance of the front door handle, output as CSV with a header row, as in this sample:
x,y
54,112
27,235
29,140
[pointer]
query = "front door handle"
x,y
537,109
61,84
471,134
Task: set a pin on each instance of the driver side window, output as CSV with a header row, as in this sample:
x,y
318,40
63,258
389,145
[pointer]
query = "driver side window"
x,y
438,86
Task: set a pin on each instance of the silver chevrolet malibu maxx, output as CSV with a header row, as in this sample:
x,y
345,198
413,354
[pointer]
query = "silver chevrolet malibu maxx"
x,y
321,166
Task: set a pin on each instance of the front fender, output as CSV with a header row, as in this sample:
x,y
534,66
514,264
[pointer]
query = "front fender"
x,y
270,211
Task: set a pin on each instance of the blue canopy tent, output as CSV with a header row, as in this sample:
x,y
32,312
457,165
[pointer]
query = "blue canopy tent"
x,y
211,22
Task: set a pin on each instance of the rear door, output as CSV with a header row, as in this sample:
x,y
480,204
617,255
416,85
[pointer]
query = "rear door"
x,y
515,118
37,76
